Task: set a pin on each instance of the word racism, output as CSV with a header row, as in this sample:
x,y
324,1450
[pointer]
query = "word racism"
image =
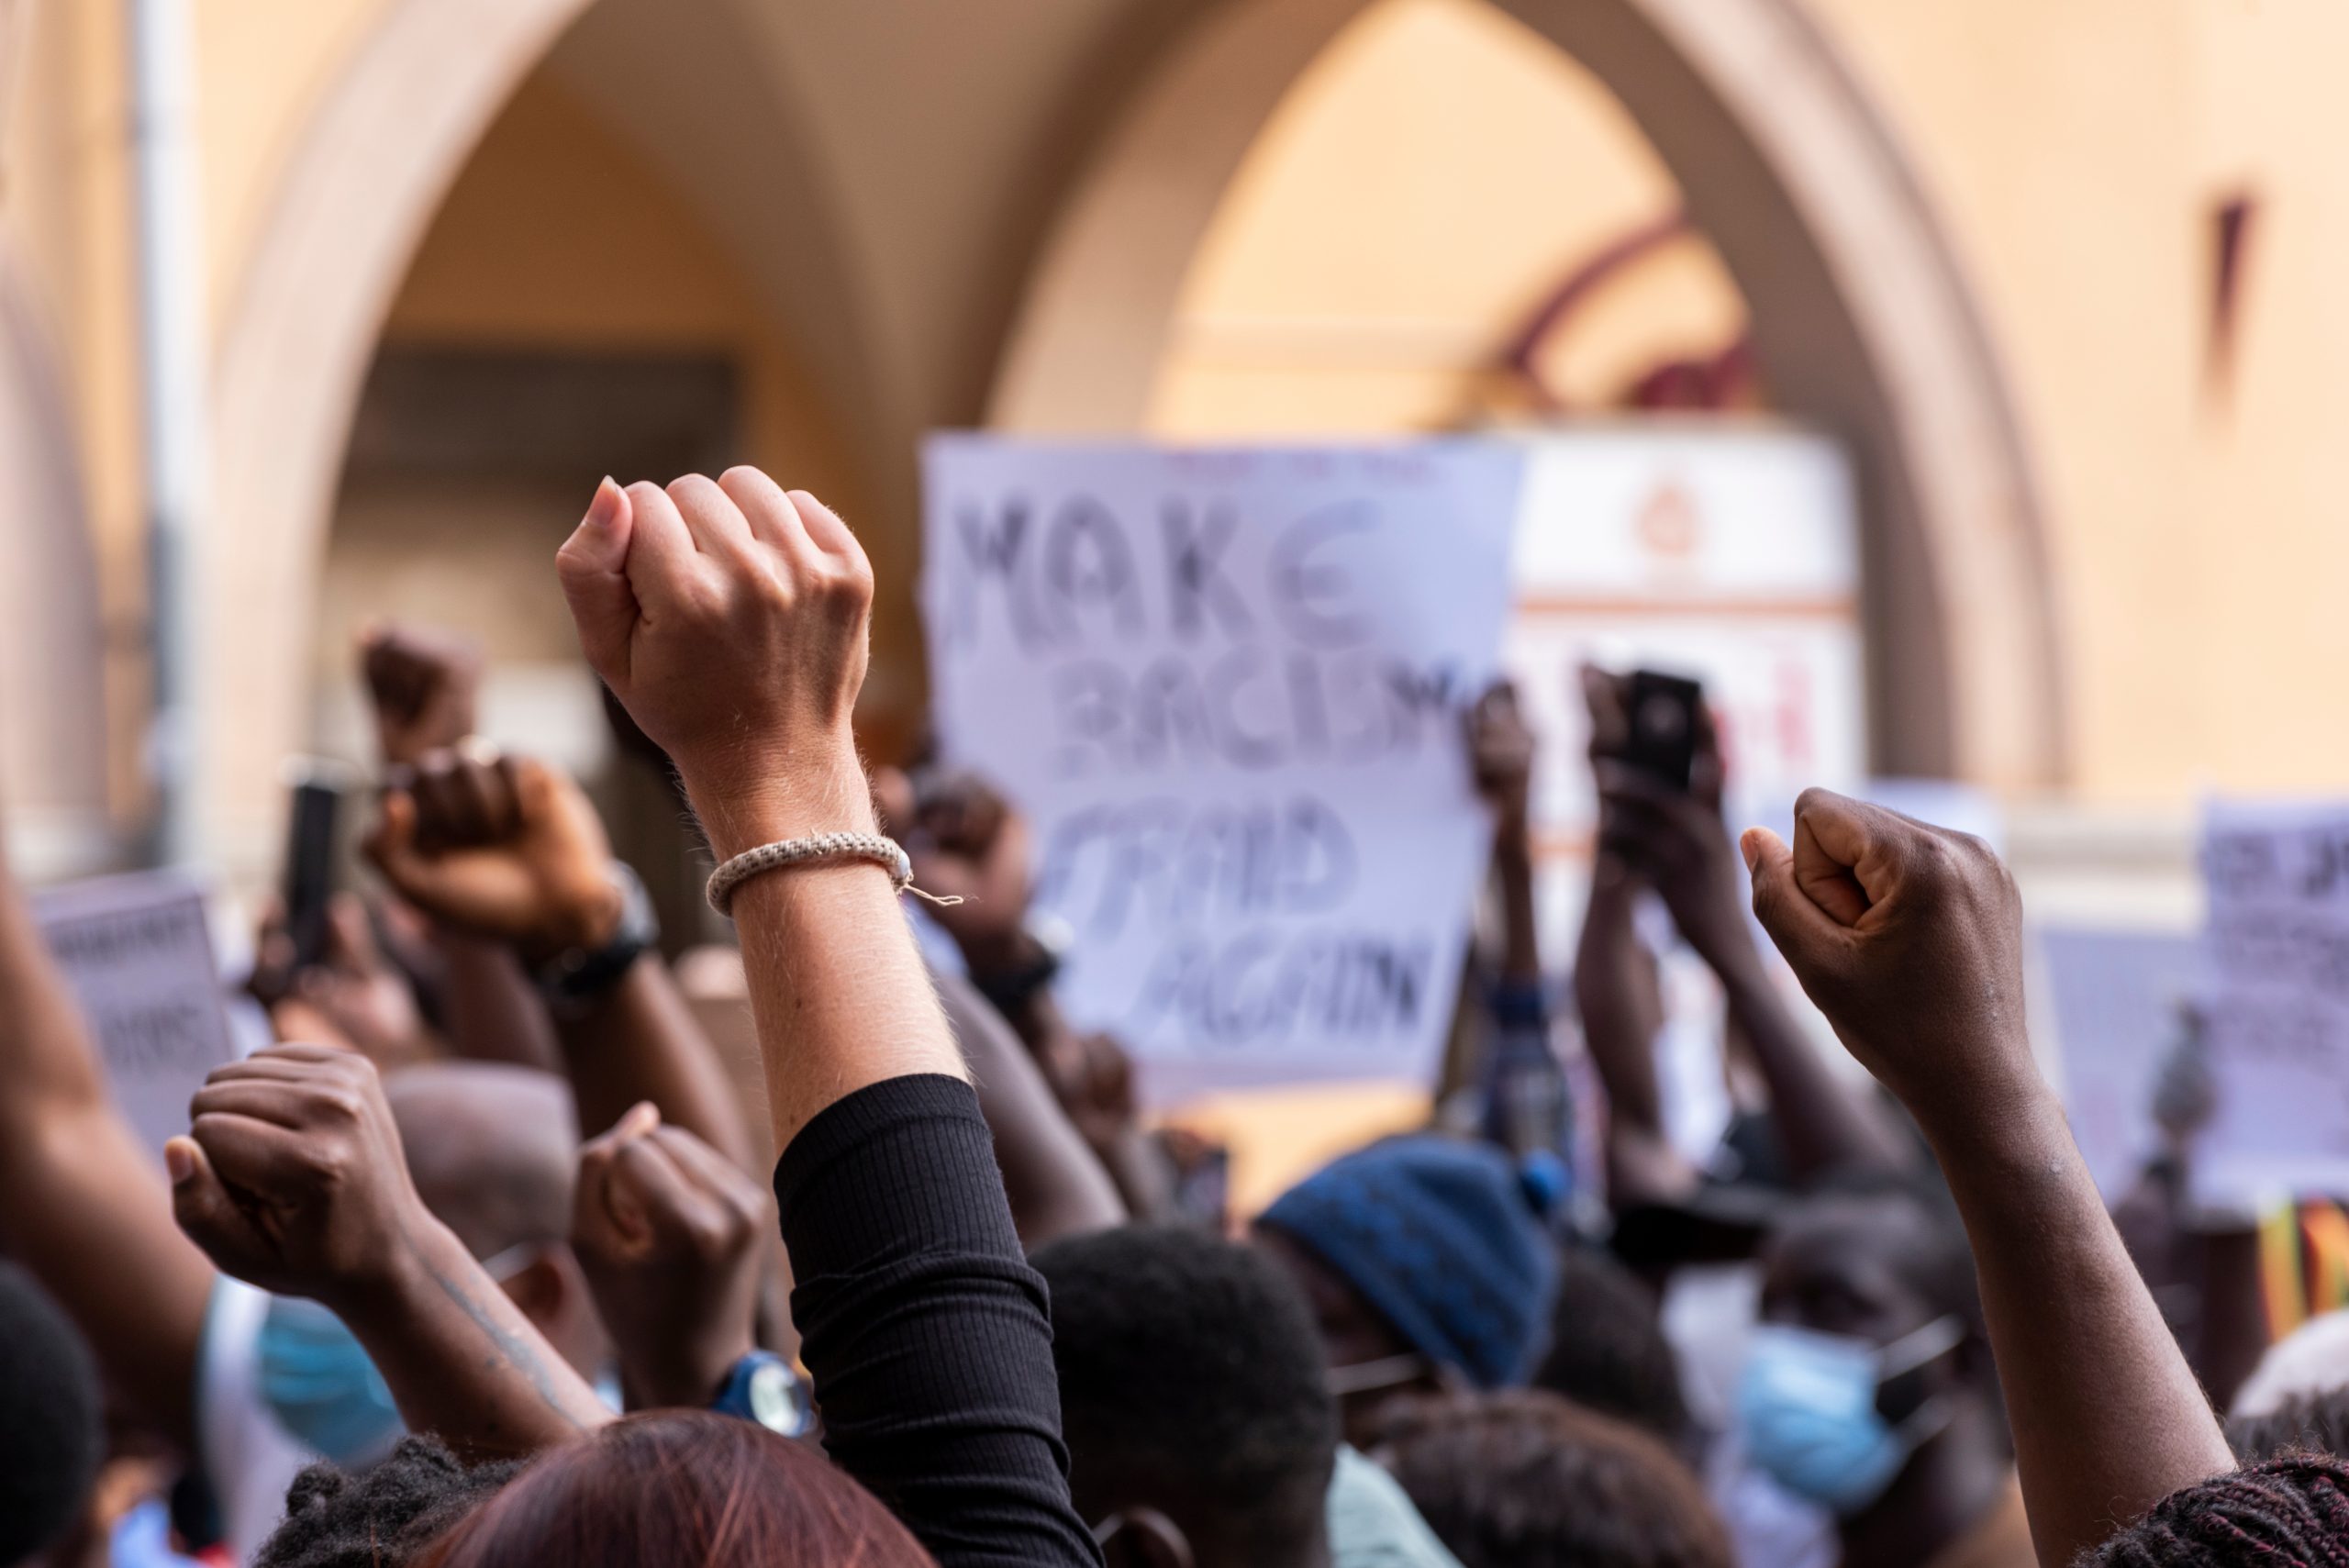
x,y
1155,656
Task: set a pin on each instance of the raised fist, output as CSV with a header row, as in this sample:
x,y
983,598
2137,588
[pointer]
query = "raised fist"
x,y
1500,756
670,1235
292,1177
1909,938
506,847
729,618
424,684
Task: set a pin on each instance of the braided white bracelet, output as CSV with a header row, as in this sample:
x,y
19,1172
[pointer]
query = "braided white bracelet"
x,y
823,848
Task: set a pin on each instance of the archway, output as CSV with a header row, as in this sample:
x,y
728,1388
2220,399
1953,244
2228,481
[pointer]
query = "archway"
x,y
1863,325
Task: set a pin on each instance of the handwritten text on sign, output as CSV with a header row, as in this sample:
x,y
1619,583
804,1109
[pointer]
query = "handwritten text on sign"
x,y
137,957
1227,687
2276,952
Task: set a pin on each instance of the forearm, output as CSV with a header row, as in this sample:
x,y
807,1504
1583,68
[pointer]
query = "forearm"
x,y
462,1361
1513,877
1617,1024
1056,1184
638,1040
495,1013
2106,1417
1824,1122
838,989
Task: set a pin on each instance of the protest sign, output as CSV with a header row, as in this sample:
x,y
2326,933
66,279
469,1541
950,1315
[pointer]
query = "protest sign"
x,y
2276,963
1227,686
2116,997
138,956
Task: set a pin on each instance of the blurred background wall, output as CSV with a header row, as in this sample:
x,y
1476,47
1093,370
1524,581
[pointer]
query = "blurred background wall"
x,y
2053,270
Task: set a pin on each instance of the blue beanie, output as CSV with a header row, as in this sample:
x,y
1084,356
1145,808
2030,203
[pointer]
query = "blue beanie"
x,y
1440,1239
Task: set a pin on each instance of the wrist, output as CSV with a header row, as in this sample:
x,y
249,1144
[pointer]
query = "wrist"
x,y
688,1378
788,800
397,1277
2005,1124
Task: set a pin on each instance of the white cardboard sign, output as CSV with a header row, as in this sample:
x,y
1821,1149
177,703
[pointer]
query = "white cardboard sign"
x,y
2276,960
137,954
1227,686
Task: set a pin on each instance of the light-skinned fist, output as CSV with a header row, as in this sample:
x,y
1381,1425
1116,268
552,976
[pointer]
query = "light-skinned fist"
x,y
1909,938
671,1235
504,848
730,616
291,1176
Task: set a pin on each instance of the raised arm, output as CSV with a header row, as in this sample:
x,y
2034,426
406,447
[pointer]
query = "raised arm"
x,y
293,1179
508,850
1909,938
730,620
83,1202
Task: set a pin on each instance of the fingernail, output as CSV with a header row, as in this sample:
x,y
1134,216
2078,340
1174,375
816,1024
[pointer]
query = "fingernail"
x,y
606,506
178,1161
641,1118
1750,849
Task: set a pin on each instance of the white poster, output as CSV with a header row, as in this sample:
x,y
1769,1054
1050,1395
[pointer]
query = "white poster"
x,y
2116,996
2275,957
138,956
1227,686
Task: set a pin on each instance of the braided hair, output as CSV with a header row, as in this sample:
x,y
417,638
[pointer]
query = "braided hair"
x,y
2290,1512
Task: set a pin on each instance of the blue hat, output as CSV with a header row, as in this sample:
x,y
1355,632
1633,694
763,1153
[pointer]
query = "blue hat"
x,y
1440,1239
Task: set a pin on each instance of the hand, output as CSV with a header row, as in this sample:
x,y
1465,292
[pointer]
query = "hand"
x,y
670,1235
425,685
730,620
1909,938
966,842
292,1178
1675,841
1500,758
501,847
353,997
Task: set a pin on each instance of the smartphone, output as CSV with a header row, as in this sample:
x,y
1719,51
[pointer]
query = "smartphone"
x,y
316,812
1663,713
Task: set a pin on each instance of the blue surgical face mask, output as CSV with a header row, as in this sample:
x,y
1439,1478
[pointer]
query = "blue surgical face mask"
x,y
1805,1407
320,1385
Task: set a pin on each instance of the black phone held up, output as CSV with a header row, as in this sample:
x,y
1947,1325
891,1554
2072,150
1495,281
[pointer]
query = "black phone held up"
x,y
1662,713
309,861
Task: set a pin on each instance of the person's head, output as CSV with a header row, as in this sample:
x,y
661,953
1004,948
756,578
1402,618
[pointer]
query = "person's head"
x,y
1608,1352
1520,1478
52,1427
1192,1397
2293,1508
1425,1264
1871,1343
494,1151
680,1486
2318,1421
383,1517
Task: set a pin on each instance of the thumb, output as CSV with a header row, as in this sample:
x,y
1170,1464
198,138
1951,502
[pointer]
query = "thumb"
x,y
1796,925
592,565
201,1203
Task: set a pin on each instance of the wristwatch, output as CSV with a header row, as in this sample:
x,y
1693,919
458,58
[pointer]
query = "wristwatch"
x,y
575,977
761,1388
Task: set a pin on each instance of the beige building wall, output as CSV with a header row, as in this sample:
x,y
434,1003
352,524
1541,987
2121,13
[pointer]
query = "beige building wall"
x,y
1434,171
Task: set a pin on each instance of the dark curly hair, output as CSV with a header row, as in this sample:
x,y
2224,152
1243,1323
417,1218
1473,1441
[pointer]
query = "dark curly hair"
x,y
1520,1478
2292,1510
382,1518
2318,1421
51,1426
1608,1352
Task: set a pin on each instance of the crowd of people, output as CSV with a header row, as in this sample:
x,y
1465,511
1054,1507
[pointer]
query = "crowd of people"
x,y
479,1264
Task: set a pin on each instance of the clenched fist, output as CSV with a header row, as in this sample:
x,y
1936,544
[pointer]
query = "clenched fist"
x,y
1909,938
504,848
730,617
670,1235
292,1177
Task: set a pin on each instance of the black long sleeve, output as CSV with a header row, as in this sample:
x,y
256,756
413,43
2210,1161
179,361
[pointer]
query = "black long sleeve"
x,y
927,1335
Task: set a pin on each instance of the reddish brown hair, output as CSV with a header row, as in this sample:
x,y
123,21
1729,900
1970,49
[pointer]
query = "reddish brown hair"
x,y
680,1487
